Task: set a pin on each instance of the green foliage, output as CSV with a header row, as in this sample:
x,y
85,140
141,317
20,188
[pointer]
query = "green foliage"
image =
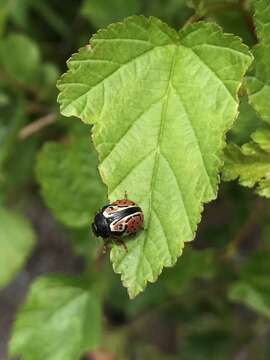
x,y
20,62
258,83
17,239
262,20
11,120
101,12
159,122
194,265
247,122
250,162
56,309
253,288
15,10
69,181
129,119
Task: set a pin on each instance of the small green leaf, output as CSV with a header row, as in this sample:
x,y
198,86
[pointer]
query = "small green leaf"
x,y
20,62
158,132
70,182
250,163
19,57
258,83
59,321
262,20
244,293
246,123
17,239
253,287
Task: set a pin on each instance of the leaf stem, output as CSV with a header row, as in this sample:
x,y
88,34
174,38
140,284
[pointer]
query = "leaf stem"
x,y
37,125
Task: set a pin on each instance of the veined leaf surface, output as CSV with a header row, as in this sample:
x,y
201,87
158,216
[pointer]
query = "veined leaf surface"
x,y
161,102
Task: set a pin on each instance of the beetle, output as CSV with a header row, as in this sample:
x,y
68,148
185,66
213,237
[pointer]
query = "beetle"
x,y
118,219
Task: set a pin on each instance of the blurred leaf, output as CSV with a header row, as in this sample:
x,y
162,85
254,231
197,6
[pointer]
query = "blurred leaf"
x,y
253,287
173,282
215,345
17,239
262,20
20,61
19,170
69,180
15,10
174,12
12,117
246,123
203,7
85,243
250,163
102,12
60,320
258,83
194,265
19,57
244,293
156,144
232,15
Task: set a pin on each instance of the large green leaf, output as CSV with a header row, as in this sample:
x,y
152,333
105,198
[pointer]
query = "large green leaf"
x,y
258,83
16,241
70,182
250,163
253,287
59,321
161,102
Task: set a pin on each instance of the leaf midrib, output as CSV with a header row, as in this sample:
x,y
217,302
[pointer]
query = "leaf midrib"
x,y
156,163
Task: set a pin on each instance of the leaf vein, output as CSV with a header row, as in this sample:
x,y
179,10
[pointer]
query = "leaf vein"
x,y
196,138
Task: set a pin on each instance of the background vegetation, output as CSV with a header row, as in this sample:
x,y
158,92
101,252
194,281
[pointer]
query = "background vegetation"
x,y
68,304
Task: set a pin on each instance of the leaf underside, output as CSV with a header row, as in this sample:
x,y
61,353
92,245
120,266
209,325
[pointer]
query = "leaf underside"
x,y
161,103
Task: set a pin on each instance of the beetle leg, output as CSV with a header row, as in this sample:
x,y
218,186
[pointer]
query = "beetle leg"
x,y
100,256
125,194
120,242
104,248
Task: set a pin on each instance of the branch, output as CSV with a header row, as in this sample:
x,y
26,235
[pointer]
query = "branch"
x,y
37,125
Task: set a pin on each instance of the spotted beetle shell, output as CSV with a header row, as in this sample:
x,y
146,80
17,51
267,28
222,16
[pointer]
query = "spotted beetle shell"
x,y
126,217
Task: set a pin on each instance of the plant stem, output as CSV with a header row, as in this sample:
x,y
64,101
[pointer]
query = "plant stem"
x,y
37,125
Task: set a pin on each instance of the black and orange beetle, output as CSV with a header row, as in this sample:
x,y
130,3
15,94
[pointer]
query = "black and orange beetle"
x,y
118,219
